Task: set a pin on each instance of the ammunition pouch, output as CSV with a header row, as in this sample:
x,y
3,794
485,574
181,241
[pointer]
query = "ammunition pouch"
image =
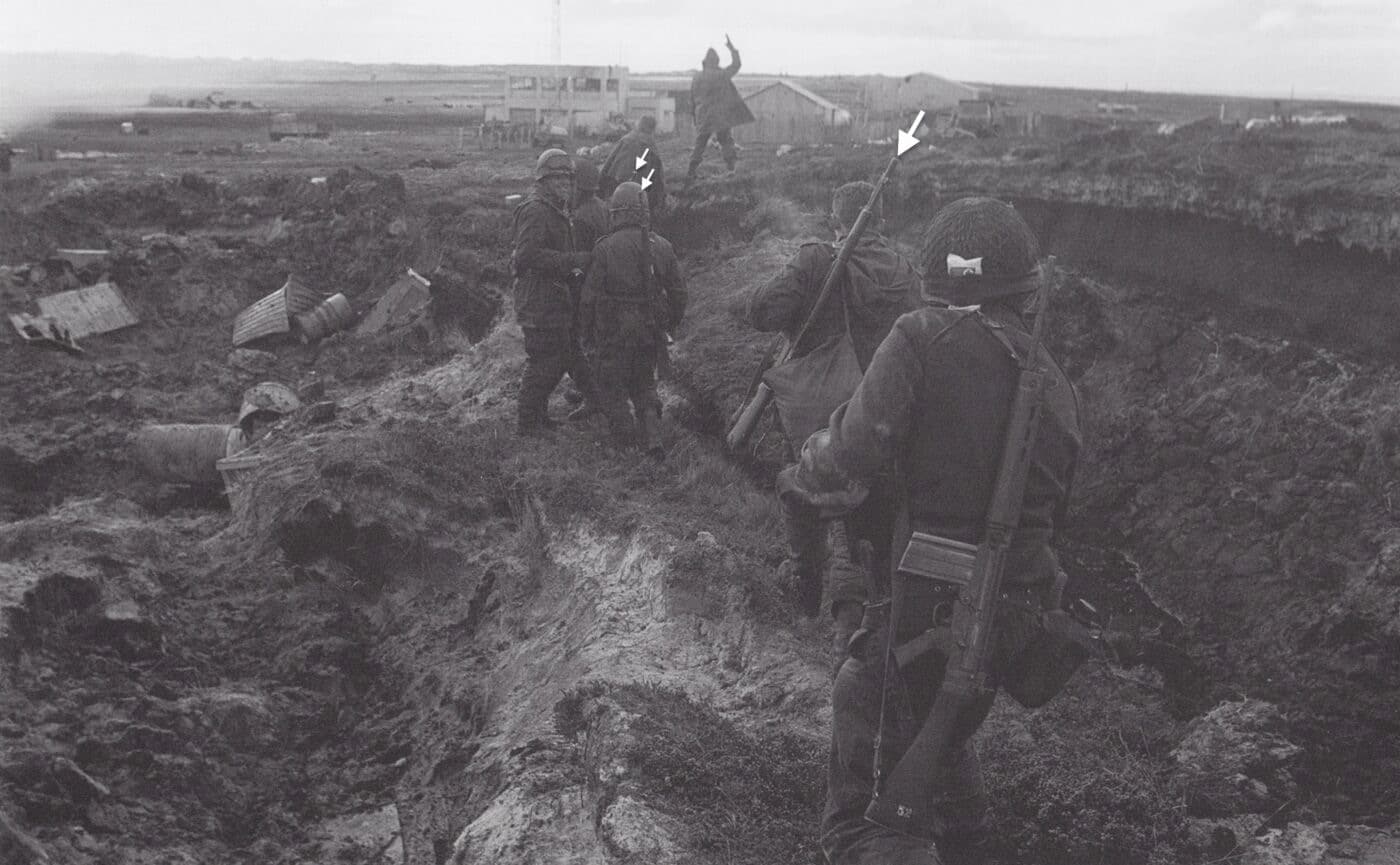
x,y
1045,664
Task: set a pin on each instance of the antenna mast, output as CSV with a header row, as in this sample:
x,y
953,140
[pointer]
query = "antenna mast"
x,y
556,37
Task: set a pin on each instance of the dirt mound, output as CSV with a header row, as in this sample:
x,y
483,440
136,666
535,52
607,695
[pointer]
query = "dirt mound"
x,y
411,624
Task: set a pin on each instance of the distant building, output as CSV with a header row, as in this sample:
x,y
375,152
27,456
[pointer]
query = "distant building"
x,y
785,112
567,96
657,103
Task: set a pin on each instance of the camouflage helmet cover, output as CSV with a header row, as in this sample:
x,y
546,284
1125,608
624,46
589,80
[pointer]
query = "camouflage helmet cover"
x,y
628,196
553,162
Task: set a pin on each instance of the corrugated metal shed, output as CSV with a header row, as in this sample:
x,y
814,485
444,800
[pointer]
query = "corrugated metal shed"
x,y
401,305
786,112
99,308
273,314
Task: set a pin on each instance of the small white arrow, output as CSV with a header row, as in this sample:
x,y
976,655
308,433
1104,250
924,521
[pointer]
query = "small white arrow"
x,y
646,181
907,140
642,160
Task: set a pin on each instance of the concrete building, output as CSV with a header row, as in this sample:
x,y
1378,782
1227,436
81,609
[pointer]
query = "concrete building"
x,y
657,103
574,97
785,112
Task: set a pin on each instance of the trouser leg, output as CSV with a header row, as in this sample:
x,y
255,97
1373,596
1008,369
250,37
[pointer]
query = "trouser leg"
x,y
548,351
960,797
726,144
610,385
846,588
642,391
847,838
580,371
807,550
702,138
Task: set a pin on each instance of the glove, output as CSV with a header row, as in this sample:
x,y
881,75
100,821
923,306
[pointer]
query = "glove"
x,y
581,260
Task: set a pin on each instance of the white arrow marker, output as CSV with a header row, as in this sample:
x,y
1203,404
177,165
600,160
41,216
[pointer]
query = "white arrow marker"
x,y
642,160
646,181
907,141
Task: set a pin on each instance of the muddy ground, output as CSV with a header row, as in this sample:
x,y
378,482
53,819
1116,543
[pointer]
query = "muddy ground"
x,y
403,634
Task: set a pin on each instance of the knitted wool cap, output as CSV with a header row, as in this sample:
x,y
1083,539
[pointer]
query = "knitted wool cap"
x,y
998,251
849,198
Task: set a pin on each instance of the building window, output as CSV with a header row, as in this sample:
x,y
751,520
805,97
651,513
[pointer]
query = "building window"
x,y
550,83
522,82
612,85
588,85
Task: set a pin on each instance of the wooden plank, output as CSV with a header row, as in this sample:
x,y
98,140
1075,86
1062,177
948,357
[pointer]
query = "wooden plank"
x,y
99,308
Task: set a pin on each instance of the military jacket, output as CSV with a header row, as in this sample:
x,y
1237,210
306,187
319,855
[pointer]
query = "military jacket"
x,y
879,285
542,261
590,222
634,291
715,99
621,165
936,400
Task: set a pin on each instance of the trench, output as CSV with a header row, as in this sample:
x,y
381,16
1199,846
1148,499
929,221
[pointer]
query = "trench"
x,y
365,692
1221,365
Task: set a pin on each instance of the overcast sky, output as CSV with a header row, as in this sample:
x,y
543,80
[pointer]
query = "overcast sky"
x,y
1338,48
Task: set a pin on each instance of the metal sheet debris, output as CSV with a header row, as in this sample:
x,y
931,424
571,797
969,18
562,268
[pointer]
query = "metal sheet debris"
x,y
99,308
402,305
273,314
41,330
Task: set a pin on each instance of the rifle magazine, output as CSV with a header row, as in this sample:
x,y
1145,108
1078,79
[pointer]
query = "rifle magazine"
x,y
938,558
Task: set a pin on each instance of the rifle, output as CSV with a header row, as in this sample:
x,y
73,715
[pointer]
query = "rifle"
x,y
905,801
752,411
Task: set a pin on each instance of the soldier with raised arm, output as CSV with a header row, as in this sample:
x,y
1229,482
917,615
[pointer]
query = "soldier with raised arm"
x,y
716,107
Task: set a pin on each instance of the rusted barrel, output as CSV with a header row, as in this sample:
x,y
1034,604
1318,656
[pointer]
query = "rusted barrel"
x,y
333,315
187,453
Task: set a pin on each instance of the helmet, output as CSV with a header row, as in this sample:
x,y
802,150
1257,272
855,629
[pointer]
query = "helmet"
x,y
553,162
585,175
628,202
268,398
979,249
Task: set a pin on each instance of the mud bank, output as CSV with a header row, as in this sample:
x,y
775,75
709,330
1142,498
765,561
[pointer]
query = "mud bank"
x,y
1315,290
533,651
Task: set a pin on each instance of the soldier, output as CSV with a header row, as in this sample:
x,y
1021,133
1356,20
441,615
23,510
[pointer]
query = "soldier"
x,y
716,107
590,214
935,398
621,164
878,286
633,295
544,261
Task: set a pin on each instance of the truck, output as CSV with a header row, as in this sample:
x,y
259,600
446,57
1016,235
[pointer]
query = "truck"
x,y
287,125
